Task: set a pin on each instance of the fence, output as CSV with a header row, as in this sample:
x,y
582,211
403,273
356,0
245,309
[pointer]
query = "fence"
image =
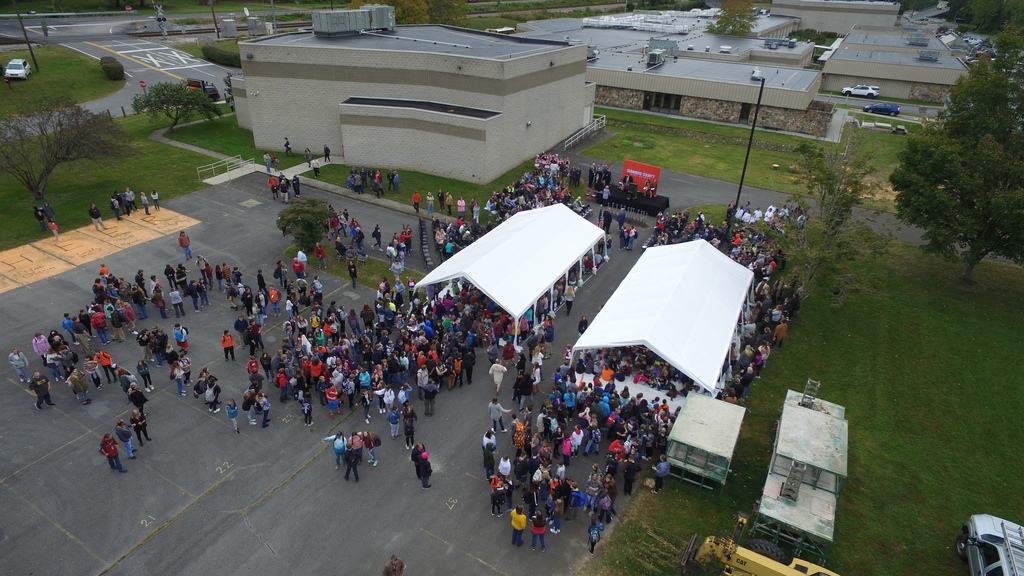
x,y
596,125
223,167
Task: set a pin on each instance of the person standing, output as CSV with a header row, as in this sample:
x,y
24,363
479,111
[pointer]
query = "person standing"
x,y
265,405
156,199
570,295
594,533
327,153
416,201
540,525
232,410
394,567
352,463
19,362
308,156
79,383
316,168
287,147
108,447
40,386
227,342
185,243
145,202
424,466
518,525
138,423
97,219
176,301
661,471
353,273
54,228
124,434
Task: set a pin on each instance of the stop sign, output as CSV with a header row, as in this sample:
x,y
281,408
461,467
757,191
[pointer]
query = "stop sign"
x,y
127,8
142,83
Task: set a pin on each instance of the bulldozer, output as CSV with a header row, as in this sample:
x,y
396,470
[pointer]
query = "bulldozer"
x,y
755,558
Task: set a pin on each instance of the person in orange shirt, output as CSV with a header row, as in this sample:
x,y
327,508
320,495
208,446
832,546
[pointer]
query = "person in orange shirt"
x,y
104,271
275,300
227,342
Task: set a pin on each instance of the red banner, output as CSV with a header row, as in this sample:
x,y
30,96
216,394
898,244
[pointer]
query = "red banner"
x,y
641,173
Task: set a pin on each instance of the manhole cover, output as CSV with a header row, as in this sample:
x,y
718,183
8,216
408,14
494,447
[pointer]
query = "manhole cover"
x,y
250,203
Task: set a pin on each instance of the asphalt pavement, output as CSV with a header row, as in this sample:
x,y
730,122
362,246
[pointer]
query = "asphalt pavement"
x,y
199,497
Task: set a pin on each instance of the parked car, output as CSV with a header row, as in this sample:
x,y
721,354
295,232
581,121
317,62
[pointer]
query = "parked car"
x,y
18,69
991,546
883,108
861,90
205,86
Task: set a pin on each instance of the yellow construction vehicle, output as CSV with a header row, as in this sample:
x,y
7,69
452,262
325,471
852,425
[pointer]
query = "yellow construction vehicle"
x,y
755,558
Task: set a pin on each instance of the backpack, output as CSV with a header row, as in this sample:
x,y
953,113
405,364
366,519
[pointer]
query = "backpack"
x,y
595,533
116,319
210,393
277,273
595,435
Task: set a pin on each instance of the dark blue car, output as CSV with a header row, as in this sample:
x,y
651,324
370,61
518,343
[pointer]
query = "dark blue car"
x,y
883,108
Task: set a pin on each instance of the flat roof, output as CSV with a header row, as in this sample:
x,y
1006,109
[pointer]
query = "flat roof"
x,y
889,40
709,425
902,58
779,78
421,38
814,511
424,105
621,48
814,438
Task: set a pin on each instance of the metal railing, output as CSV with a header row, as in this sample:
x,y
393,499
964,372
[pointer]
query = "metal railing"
x,y
223,167
596,125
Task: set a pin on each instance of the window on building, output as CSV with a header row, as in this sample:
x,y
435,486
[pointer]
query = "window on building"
x,y
663,103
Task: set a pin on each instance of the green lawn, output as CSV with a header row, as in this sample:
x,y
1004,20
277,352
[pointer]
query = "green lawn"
x,y
914,358
701,158
487,22
370,273
60,72
223,135
72,187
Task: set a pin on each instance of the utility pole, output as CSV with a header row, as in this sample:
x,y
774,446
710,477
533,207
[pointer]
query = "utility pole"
x,y
273,15
216,28
24,33
750,143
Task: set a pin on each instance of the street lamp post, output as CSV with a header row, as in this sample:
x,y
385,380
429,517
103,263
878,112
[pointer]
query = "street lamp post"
x,y
750,143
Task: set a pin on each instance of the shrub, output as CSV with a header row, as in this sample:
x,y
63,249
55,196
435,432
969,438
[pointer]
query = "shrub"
x,y
112,68
220,56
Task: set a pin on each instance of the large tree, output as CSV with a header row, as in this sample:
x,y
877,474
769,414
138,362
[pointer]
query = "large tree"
x,y
961,181
832,236
736,19
450,12
52,131
406,11
305,219
175,101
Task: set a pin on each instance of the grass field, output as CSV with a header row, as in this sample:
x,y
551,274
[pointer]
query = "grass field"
x,y
915,359
195,48
72,187
223,135
60,72
724,160
370,273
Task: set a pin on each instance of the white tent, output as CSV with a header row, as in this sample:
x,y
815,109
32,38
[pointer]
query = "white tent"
x,y
682,301
523,257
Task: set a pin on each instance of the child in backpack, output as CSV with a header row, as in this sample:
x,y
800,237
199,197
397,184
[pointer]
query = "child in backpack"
x,y
307,411
594,533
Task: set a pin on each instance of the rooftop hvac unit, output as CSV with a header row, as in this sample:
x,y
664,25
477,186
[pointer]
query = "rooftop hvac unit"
x,y
369,17
689,47
725,49
669,47
756,75
918,39
928,55
655,57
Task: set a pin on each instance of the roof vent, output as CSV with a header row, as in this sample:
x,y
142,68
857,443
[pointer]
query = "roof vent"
x,y
928,55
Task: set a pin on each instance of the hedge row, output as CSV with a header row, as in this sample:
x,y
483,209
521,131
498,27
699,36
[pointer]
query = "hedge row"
x,y
112,68
219,56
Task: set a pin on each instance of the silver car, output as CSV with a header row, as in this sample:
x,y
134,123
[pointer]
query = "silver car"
x,y
18,69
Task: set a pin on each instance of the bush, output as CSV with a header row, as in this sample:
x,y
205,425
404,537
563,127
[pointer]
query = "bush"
x,y
220,56
112,68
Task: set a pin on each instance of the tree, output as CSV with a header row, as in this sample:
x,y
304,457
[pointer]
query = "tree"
x,y
831,236
175,101
49,132
736,19
961,182
406,11
448,12
305,220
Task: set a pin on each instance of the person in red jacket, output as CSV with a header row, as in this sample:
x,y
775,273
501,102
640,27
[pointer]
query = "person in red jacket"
x,y
299,268
108,447
321,255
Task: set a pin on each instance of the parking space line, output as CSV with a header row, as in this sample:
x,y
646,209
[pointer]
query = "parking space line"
x,y
452,545
57,525
137,61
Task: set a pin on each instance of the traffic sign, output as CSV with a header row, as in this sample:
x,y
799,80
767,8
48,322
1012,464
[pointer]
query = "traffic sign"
x,y
142,84
127,8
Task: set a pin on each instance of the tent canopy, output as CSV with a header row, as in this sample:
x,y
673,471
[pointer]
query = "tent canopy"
x,y
521,259
682,301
